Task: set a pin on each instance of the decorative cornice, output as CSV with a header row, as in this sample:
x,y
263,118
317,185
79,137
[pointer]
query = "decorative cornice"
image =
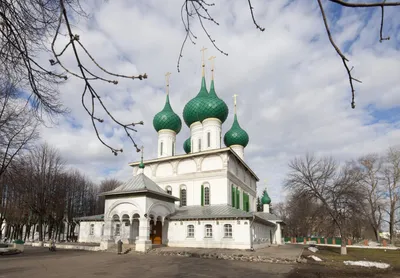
x,y
221,173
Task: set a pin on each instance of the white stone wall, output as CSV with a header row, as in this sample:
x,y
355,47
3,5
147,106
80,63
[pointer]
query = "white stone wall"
x,y
196,135
166,138
178,234
84,231
212,128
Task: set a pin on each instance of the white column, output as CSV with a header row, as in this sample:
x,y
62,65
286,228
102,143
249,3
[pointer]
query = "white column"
x,y
211,134
196,135
143,243
166,143
278,234
107,239
239,150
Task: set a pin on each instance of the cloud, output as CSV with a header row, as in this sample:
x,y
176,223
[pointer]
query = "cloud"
x,y
293,90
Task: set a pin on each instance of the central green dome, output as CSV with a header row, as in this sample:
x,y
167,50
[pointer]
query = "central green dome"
x,y
167,119
236,135
215,107
187,145
265,200
194,110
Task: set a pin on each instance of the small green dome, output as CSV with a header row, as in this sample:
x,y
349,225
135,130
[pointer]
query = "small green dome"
x,y
141,165
265,200
236,135
194,110
187,145
215,107
167,119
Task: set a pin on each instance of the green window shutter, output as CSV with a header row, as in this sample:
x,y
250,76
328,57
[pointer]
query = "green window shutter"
x,y
244,201
237,198
233,196
247,203
202,195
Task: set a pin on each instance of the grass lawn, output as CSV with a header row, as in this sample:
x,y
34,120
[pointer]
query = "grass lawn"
x,y
331,257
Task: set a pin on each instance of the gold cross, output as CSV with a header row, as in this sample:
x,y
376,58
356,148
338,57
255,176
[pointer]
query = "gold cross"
x,y
234,101
265,183
202,60
212,66
167,81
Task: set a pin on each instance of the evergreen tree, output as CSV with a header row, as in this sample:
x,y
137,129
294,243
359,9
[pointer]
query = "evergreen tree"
x,y
259,206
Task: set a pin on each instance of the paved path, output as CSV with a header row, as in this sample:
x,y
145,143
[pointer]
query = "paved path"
x,y
40,263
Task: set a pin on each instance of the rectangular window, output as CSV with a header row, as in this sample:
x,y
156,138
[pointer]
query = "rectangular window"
x,y
208,231
190,231
207,196
173,148
227,230
208,139
183,197
161,148
199,145
91,229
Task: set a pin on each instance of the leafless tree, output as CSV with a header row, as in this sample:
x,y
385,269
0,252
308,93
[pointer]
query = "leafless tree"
x,y
18,127
200,10
106,185
336,188
391,183
370,167
25,27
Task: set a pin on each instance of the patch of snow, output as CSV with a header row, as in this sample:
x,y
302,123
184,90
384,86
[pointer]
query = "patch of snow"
x,y
315,258
313,249
367,264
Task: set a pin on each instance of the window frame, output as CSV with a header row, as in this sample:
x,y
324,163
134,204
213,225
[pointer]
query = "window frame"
x,y
208,231
206,196
228,230
183,204
161,148
208,139
190,231
168,189
91,229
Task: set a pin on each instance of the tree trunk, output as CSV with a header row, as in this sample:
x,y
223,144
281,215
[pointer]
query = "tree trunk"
x,y
40,223
343,247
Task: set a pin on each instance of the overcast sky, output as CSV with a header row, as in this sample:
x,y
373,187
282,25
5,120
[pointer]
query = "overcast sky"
x,y
293,91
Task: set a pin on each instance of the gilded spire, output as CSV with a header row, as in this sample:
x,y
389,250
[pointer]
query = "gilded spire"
x,y
234,103
202,62
212,66
167,81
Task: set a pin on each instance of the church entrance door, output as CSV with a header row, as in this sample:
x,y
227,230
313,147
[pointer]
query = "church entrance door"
x,y
156,232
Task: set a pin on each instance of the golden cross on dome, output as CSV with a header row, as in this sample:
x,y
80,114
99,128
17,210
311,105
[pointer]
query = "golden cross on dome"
x,y
167,81
202,61
234,101
212,66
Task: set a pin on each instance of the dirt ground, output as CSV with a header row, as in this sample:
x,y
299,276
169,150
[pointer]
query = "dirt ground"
x,y
40,262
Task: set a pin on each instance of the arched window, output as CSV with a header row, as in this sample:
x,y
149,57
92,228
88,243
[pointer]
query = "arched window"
x,y
91,231
208,139
233,195
169,190
190,231
183,196
173,148
206,195
161,148
227,230
208,230
117,229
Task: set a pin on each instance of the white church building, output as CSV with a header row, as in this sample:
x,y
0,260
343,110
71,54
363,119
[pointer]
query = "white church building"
x,y
205,198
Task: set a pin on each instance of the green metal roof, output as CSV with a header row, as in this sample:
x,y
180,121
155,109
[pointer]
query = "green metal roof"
x,y
187,145
215,107
167,119
194,109
265,200
236,135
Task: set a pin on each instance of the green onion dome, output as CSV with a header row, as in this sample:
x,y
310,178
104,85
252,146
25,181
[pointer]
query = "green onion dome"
x,y
215,107
167,119
236,135
187,145
265,200
194,110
